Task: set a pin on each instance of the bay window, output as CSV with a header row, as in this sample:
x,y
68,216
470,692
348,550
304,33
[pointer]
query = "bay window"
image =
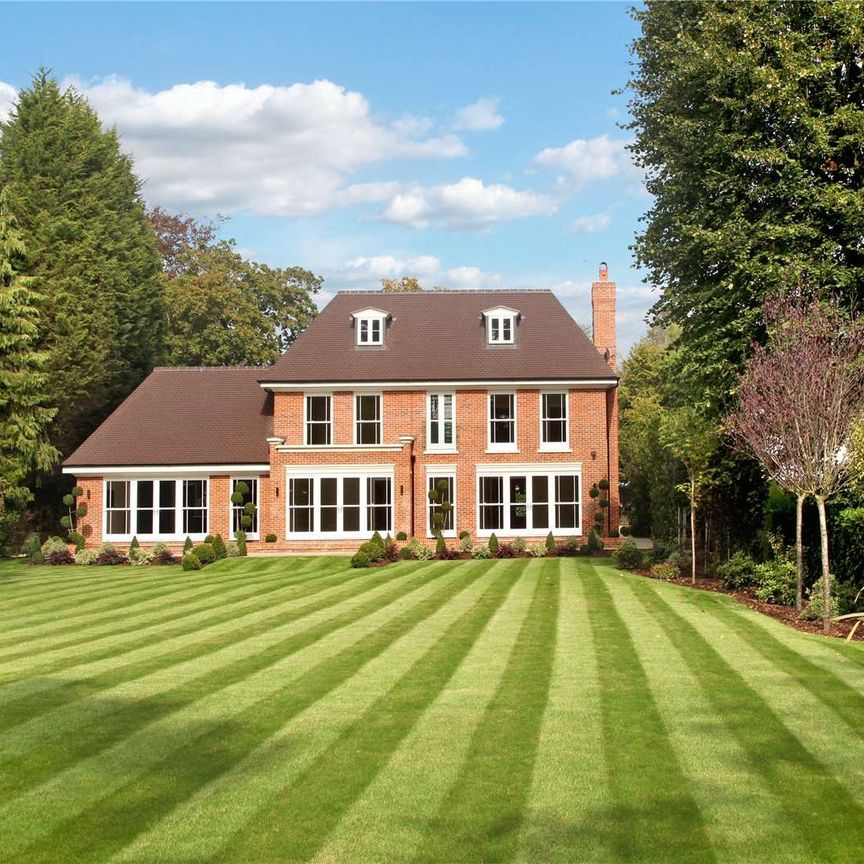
x,y
441,421
553,421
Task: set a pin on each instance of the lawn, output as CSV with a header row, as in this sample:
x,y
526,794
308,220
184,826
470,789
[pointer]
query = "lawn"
x,y
281,709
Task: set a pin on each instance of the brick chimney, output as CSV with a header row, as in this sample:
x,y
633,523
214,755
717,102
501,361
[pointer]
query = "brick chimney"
x,y
603,315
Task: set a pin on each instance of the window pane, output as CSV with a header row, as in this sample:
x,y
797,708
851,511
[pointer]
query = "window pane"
x,y
566,497
376,330
194,494
118,493
364,330
491,503
351,504
378,503
167,499
518,505
506,331
329,511
444,487
118,521
300,499
540,499
144,513
502,414
318,408
238,510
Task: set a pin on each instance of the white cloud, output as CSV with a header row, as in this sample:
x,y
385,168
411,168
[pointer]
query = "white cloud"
x,y
479,116
272,150
367,272
468,203
588,159
591,223
8,95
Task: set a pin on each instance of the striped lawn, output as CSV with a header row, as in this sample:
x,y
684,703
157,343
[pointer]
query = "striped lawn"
x,y
277,710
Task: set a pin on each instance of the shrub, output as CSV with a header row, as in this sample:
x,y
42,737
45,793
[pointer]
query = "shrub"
x,y
52,546
218,545
401,536
569,548
188,545
134,548
594,543
738,572
550,542
813,610
440,546
142,558
449,555
209,539
627,556
60,556
190,561
270,538
624,530
377,545
405,554
614,532
110,557
519,545
777,582
32,548
463,535
361,558
77,539
241,543
466,544
481,552
231,550
391,551
506,550
680,559
418,551
205,553
660,552
537,550
162,556
493,545
160,548
666,571
86,557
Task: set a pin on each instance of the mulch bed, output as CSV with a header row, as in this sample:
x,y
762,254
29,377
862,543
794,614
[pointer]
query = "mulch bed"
x,y
787,614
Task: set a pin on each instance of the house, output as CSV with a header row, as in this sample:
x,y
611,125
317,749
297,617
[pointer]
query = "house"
x,y
497,397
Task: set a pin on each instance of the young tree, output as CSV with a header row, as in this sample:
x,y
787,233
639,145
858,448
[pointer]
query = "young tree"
x,y
24,417
90,254
692,439
799,399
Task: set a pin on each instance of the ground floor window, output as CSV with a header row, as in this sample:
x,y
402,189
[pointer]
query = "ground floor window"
x,y
445,487
238,511
528,502
337,504
161,508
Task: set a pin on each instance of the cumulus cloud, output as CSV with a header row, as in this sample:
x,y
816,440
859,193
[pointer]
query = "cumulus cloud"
x,y
468,203
368,271
479,116
591,223
272,150
8,94
583,160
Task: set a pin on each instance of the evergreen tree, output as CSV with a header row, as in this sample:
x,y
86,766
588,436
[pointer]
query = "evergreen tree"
x,y
23,415
91,255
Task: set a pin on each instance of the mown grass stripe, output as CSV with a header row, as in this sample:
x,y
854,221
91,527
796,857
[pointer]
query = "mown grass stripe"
x,y
91,626
813,799
481,817
653,816
125,789
724,788
295,827
568,793
386,822
42,742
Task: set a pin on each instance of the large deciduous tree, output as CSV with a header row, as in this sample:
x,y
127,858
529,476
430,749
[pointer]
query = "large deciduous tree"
x,y
24,417
90,254
749,126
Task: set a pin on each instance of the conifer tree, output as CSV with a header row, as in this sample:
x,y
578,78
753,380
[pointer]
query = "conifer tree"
x,y
23,415
91,255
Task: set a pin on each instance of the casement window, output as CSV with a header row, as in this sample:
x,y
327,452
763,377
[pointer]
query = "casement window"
x,y
441,421
154,509
332,503
514,502
500,325
367,419
369,325
445,486
319,420
238,511
502,421
553,421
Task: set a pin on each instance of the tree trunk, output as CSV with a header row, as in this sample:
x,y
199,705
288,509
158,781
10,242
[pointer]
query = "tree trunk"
x,y
693,528
826,574
799,552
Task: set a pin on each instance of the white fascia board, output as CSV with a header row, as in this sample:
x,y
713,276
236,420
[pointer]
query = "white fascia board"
x,y
339,448
167,470
377,386
528,467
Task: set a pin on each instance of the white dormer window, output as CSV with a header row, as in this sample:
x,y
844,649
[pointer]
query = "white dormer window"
x,y
369,325
501,325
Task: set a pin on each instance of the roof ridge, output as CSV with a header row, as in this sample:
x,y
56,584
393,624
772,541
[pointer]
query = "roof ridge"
x,y
209,368
428,292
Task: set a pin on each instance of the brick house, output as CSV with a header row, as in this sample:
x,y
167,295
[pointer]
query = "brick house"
x,y
499,394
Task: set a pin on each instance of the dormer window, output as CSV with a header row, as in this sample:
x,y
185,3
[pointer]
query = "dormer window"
x,y
369,325
501,325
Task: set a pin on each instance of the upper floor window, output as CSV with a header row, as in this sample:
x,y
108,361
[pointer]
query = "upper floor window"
x,y
369,324
367,417
553,421
319,420
501,325
441,421
502,421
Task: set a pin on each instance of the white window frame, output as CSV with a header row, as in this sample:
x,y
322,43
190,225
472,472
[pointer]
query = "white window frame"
x,y
307,421
316,473
129,509
245,478
379,422
529,471
368,334
555,446
500,325
439,472
441,447
495,446
178,534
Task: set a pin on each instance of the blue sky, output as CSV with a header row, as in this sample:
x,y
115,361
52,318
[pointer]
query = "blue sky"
x,y
471,145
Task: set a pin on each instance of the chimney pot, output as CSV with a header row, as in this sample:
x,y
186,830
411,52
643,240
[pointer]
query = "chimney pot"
x,y
603,309
604,271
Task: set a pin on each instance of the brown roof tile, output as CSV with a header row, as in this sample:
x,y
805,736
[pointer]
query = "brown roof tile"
x,y
440,336
188,416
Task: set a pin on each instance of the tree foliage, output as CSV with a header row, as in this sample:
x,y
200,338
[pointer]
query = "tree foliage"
x,y
748,123
405,285
221,309
90,255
